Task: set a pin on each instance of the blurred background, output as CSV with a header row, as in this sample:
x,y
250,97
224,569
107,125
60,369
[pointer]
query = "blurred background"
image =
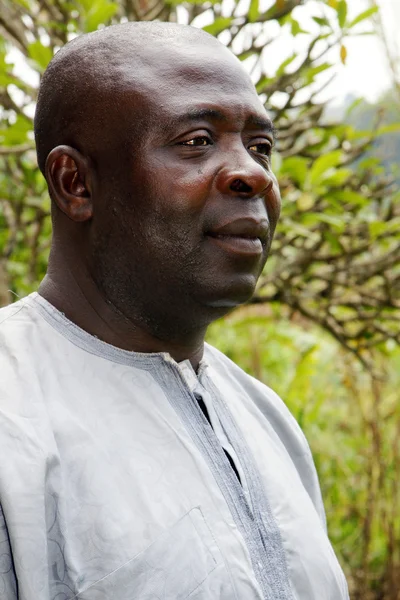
x,y
323,329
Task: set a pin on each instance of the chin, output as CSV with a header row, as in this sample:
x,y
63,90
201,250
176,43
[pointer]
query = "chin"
x,y
232,296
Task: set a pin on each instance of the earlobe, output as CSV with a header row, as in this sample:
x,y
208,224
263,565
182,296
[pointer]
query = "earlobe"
x,y
68,177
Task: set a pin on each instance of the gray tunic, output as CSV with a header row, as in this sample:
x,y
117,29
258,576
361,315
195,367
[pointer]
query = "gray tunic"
x,y
113,483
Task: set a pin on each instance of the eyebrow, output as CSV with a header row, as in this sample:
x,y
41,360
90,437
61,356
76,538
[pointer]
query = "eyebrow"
x,y
202,113
261,123
215,115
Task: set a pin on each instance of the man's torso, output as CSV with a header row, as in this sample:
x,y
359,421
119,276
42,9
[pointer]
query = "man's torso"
x,y
113,484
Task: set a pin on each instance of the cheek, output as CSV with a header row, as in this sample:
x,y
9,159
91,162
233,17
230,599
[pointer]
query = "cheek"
x,y
181,187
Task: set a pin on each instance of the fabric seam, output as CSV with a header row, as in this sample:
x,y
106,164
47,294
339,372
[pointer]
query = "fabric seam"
x,y
258,496
223,475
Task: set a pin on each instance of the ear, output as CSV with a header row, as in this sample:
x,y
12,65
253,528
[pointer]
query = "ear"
x,y
68,176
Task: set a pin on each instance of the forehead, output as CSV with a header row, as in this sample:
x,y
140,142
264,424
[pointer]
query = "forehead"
x,y
176,83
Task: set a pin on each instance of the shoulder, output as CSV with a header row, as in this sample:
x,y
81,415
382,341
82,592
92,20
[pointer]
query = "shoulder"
x,y
20,352
10,311
22,324
16,315
18,324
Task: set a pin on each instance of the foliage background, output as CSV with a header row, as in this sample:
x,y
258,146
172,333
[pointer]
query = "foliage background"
x,y
324,326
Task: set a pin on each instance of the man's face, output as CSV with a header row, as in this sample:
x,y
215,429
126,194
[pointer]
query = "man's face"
x,y
189,202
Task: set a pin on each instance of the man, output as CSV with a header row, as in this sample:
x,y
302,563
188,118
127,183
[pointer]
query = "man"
x,y
138,462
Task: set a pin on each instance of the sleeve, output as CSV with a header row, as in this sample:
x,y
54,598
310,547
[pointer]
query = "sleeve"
x,y
8,580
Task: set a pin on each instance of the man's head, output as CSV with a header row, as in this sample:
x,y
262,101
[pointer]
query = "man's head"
x,y
156,150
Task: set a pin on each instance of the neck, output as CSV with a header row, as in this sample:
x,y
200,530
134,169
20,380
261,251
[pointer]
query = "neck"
x,y
76,295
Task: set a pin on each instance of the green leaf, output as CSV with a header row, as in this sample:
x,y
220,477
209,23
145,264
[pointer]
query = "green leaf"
x,y
276,162
24,3
393,226
263,84
309,74
296,28
281,69
376,228
393,128
100,13
40,54
271,13
333,241
86,5
219,25
247,54
339,177
354,105
348,196
364,15
253,11
342,13
323,164
370,163
330,219
6,79
305,201
16,133
322,21
296,167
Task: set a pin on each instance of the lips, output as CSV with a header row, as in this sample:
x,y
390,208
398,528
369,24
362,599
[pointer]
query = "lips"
x,y
241,236
244,227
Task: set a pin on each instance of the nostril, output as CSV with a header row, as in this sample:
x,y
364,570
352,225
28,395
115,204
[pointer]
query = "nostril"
x,y
240,186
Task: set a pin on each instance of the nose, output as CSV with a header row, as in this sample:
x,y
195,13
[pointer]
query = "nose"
x,y
243,176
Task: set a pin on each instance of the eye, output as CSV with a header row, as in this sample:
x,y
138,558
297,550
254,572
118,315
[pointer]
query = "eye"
x,y
263,148
200,140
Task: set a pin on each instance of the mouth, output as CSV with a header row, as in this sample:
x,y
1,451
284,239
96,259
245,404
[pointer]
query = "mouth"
x,y
241,236
237,244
